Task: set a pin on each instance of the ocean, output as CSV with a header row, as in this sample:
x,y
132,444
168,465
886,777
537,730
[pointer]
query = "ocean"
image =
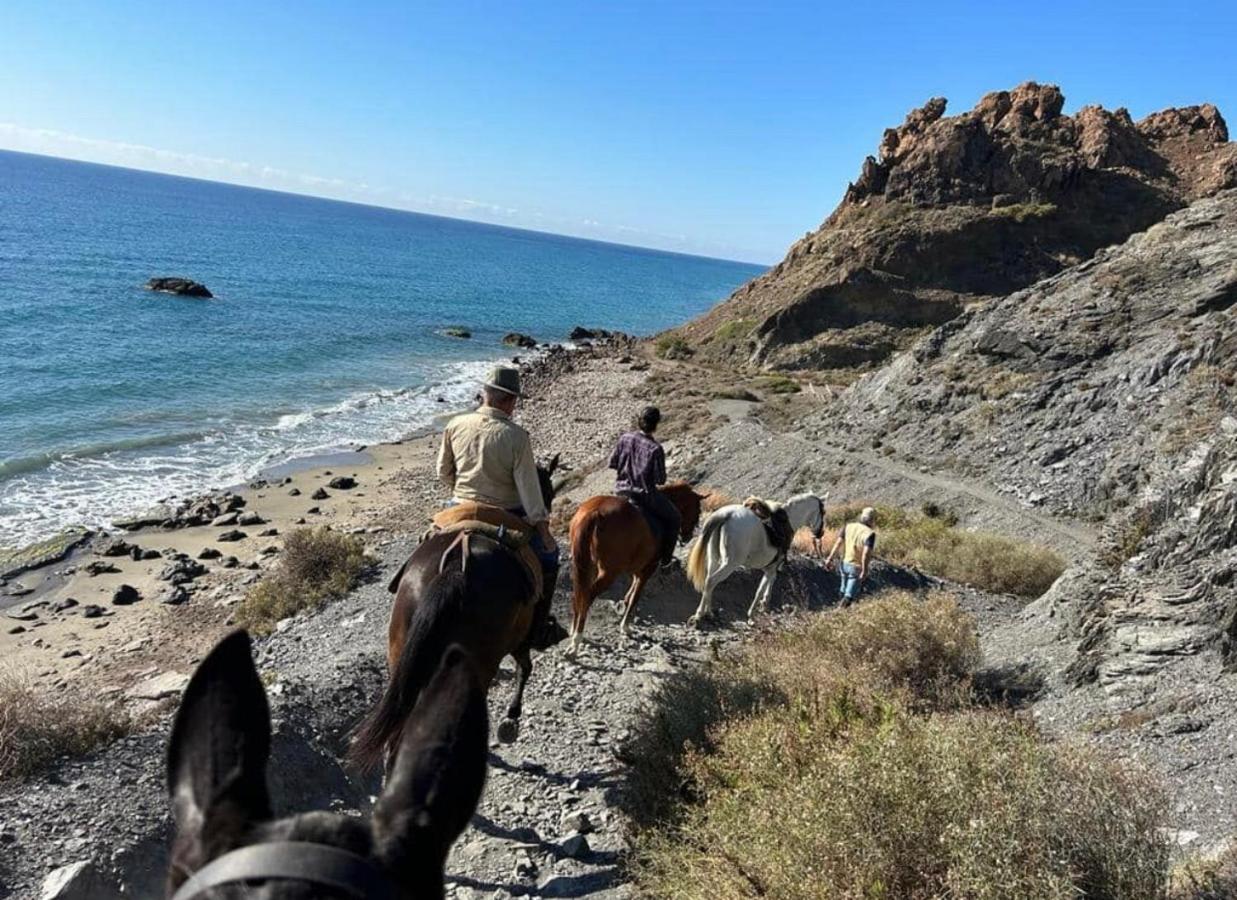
x,y
325,331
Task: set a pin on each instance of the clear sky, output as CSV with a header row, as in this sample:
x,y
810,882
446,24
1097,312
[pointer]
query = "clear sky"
x,y
727,129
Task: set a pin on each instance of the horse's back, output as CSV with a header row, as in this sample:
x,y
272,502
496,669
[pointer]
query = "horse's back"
x,y
741,532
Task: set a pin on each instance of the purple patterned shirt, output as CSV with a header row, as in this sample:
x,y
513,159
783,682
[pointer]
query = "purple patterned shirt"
x,y
639,463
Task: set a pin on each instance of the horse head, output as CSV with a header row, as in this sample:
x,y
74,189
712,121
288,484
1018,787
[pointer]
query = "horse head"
x,y
807,511
545,476
226,839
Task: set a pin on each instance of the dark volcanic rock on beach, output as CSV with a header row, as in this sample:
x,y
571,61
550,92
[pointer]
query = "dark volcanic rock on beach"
x,y
958,210
182,287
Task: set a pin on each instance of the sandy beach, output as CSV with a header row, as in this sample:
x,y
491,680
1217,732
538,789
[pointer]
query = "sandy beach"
x,y
69,634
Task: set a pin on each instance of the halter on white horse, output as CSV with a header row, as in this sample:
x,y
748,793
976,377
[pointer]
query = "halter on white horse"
x,y
734,538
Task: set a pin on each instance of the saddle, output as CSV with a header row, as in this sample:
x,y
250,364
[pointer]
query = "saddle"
x,y
776,522
468,519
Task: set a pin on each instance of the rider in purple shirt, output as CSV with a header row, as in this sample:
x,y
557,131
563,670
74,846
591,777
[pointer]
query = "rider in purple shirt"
x,y
639,463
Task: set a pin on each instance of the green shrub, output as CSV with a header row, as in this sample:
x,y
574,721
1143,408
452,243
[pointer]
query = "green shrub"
x,y
973,805
734,330
736,393
922,651
672,346
38,727
1023,212
841,759
317,565
778,384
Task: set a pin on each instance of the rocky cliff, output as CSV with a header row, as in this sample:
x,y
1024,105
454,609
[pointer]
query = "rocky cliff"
x,y
957,210
1104,393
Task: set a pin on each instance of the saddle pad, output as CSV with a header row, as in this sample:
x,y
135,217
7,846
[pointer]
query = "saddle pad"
x,y
507,529
776,522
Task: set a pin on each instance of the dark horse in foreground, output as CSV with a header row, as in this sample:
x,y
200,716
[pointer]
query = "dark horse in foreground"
x,y
476,594
611,537
229,846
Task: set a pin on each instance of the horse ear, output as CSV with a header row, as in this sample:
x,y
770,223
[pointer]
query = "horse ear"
x,y
439,771
217,757
554,463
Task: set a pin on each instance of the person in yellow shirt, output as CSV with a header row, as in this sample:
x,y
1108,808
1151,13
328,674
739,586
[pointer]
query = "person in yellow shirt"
x,y
856,540
487,458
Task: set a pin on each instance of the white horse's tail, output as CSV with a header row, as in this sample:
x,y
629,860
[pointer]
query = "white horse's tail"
x,y
698,559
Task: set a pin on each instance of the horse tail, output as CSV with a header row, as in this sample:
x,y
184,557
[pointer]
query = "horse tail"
x,y
418,661
697,560
583,556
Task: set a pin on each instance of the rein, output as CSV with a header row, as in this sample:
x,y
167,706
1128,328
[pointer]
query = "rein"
x,y
319,864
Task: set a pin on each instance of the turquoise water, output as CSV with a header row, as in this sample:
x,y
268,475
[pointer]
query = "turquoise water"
x,y
325,330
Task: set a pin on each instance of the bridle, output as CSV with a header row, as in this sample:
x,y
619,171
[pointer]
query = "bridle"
x,y
319,864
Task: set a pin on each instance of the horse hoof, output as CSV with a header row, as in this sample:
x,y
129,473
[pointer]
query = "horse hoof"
x,y
508,731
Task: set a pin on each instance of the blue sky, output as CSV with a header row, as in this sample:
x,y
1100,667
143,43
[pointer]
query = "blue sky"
x,y
725,129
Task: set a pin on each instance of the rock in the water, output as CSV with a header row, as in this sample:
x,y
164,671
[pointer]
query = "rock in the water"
x,y
233,535
182,287
124,595
457,331
319,494
516,339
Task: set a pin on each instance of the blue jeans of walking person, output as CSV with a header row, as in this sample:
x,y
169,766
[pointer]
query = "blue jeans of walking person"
x,y
850,583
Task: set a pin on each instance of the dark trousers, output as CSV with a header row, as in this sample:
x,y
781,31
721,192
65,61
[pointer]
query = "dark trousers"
x,y
667,517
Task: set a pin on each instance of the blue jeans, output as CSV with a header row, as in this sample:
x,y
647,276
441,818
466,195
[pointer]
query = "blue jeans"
x,y
850,583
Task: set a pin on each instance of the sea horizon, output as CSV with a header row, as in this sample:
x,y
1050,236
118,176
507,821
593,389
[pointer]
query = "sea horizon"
x,y
326,331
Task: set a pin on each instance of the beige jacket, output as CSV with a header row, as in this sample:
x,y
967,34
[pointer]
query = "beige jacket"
x,y
487,458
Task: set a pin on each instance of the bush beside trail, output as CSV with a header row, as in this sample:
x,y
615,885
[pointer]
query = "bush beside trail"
x,y
845,758
317,565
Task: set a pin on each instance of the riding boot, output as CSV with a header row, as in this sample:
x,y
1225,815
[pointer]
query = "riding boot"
x,y
545,631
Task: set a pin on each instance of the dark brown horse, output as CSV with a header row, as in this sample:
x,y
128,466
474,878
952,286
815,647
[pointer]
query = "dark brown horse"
x,y
484,603
609,538
228,845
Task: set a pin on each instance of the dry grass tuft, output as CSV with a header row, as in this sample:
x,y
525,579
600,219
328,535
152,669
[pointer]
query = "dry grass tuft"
x,y
1206,878
921,651
841,759
38,727
317,565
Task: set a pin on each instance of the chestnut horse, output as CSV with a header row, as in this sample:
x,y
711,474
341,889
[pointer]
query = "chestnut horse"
x,y
483,603
610,537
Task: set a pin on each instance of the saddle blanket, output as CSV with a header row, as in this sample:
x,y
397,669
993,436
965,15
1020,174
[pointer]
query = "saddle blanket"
x,y
776,522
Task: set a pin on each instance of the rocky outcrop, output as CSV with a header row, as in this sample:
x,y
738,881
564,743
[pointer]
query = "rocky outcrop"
x,y
1106,394
182,287
957,210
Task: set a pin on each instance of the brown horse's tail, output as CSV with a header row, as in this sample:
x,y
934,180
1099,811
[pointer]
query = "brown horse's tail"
x,y
418,661
583,556
698,559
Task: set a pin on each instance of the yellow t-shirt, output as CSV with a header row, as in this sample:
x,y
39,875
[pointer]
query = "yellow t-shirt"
x,y
854,536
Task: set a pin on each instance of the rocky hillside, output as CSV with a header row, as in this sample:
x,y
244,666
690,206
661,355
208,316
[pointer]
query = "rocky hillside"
x,y
1103,393
957,210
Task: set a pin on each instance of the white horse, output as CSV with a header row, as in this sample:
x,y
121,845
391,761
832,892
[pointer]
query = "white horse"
x,y
734,538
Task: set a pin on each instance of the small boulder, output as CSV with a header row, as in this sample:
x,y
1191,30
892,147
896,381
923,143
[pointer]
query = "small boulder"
x,y
576,847
250,518
229,518
174,596
210,553
295,492
341,483
151,553
577,822
92,611
230,562
232,535
125,595
268,532
99,567
62,605
319,494
182,287
516,339
115,547
457,331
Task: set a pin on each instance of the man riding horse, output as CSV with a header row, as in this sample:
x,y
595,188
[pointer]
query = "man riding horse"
x,y
639,463
487,458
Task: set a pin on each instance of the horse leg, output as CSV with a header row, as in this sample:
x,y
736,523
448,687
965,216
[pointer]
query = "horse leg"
x,y
603,581
716,577
633,597
761,600
509,727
